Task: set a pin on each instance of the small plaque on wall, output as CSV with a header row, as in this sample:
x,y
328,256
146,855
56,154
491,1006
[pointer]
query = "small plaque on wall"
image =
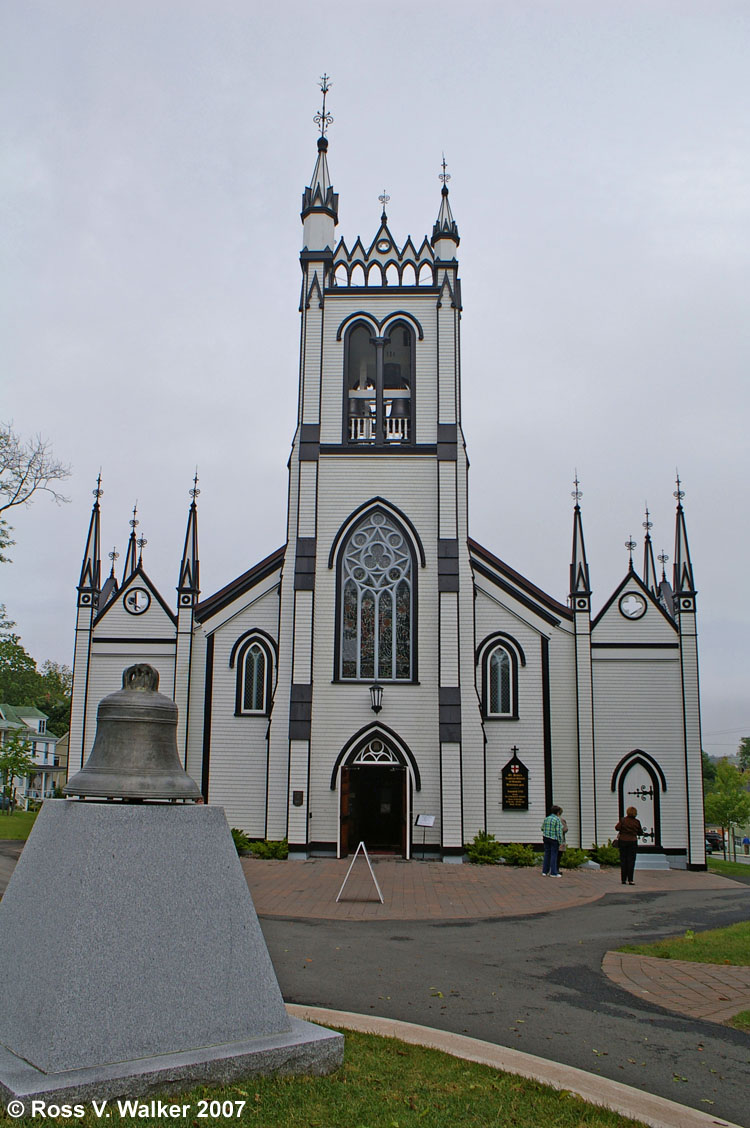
x,y
515,785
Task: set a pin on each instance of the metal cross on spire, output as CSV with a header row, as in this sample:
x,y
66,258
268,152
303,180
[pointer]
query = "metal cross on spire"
x,y
663,558
678,493
113,555
576,493
141,542
98,491
648,524
384,199
444,176
195,491
133,522
323,119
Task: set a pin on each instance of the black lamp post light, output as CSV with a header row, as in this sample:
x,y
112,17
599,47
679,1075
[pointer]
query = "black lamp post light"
x,y
376,697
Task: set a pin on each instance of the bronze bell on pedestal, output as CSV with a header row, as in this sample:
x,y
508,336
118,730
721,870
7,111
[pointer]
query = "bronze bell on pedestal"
x,y
135,749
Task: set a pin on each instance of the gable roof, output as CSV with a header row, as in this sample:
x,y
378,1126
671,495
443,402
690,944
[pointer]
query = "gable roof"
x,y
517,585
238,587
630,579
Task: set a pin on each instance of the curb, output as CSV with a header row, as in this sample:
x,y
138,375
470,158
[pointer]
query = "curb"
x,y
657,1112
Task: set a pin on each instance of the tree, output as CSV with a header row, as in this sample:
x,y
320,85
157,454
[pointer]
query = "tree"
x,y
21,683
709,769
728,801
743,753
27,467
14,762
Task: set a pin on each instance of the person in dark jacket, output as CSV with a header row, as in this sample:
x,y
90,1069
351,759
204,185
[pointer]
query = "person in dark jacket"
x,y
628,830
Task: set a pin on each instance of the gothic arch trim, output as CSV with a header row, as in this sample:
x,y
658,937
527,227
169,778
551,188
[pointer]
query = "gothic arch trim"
x,y
502,637
635,756
368,318
240,649
249,634
358,741
388,508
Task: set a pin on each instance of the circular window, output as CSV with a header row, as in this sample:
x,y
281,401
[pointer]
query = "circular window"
x,y
632,606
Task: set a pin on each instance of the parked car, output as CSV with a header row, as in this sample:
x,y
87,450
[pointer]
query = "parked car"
x,y
716,841
709,847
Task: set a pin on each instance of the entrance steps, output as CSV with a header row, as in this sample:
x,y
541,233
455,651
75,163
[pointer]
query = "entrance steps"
x,y
651,862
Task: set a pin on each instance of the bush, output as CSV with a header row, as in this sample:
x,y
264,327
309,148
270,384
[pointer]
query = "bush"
x,y
607,855
572,858
484,849
278,850
241,840
514,854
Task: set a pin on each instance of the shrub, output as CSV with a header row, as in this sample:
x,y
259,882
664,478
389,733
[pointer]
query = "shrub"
x,y
484,849
515,854
278,850
571,857
607,855
241,840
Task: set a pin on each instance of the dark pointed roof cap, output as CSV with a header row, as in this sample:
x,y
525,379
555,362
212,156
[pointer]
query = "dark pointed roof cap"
x,y
445,225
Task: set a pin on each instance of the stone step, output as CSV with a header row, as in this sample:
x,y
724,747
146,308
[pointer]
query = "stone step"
x,y
651,862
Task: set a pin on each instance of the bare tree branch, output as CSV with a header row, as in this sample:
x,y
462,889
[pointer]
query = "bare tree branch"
x,y
26,468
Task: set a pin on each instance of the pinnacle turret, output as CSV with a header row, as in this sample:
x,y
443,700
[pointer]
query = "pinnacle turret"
x,y
131,556
320,203
684,584
188,587
580,585
649,567
91,568
446,228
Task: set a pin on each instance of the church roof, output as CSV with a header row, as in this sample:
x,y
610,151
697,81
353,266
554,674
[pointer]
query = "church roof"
x,y
523,589
238,587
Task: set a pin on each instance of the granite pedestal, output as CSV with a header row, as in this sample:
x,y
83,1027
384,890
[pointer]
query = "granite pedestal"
x,y
133,960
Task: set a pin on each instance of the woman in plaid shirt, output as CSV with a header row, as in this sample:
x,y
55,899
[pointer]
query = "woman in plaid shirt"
x,y
552,834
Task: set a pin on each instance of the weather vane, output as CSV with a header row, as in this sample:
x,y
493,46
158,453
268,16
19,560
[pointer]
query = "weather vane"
x,y
678,493
444,176
98,491
576,494
663,558
113,555
133,522
384,199
195,491
322,118
630,544
648,524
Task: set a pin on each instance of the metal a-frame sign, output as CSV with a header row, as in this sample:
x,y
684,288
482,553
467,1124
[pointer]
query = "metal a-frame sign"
x,y
372,875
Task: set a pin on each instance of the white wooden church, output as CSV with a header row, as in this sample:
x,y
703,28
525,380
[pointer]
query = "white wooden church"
x,y
381,665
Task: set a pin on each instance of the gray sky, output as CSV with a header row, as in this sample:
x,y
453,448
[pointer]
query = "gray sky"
x,y
600,160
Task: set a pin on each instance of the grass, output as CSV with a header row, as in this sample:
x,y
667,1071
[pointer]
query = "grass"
x,y
16,825
727,869
741,1021
729,945
389,1084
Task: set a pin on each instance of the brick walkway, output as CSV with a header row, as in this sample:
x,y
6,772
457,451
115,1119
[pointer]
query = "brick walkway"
x,y
711,991
436,891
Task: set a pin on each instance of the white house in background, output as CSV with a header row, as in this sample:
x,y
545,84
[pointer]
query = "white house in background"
x,y
31,724
381,664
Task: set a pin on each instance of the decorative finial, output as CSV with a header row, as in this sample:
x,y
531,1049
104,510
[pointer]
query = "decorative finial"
x,y
678,493
663,558
444,176
98,491
113,555
141,542
323,119
133,522
630,544
195,491
648,524
384,199
577,493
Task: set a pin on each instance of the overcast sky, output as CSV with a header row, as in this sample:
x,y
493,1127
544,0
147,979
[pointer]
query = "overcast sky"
x,y
599,155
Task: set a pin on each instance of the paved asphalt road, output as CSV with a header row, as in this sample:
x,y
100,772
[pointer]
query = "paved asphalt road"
x,y
533,983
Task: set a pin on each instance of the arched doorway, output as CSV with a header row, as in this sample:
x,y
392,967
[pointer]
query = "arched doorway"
x,y
639,782
375,799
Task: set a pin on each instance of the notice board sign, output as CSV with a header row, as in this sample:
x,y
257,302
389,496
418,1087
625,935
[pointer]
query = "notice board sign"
x,y
515,785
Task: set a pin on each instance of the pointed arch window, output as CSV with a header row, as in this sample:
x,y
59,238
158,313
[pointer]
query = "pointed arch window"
x,y
254,662
376,602
379,385
499,667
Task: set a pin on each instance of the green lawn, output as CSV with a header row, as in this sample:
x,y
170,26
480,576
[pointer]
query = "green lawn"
x,y
716,946
740,1021
727,869
16,825
389,1084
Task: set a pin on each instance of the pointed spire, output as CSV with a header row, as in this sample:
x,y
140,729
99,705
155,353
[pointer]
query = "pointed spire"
x,y
683,569
91,568
188,587
319,198
131,557
631,546
445,225
580,585
649,567
141,542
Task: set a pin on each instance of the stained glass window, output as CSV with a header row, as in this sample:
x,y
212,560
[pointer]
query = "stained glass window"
x,y
376,602
254,692
500,688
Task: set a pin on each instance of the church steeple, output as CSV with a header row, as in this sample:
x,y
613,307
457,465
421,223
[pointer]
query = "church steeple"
x,y
91,568
684,585
188,587
131,556
649,567
580,585
319,201
445,232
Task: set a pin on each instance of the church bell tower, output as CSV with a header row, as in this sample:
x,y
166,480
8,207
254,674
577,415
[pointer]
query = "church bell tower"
x,y
376,642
